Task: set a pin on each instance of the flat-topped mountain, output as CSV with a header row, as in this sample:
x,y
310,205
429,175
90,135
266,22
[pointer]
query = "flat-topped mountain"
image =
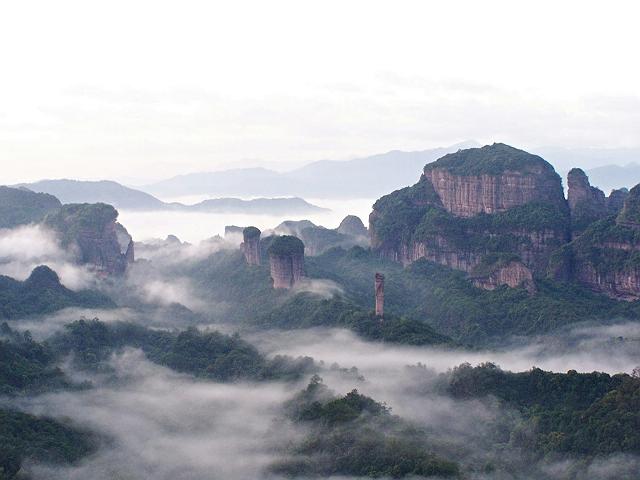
x,y
493,179
500,215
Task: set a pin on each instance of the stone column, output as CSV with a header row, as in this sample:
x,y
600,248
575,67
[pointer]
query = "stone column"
x,y
379,294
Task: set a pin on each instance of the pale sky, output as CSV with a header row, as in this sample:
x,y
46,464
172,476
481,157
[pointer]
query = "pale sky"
x,y
149,89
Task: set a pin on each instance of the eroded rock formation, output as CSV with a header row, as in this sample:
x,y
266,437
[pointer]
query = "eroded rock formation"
x,y
473,204
512,273
492,179
286,261
379,291
251,245
93,234
586,203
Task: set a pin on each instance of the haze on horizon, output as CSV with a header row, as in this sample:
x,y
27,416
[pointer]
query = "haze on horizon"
x,y
139,91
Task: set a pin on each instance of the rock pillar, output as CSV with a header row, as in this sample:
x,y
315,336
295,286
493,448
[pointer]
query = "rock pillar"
x,y
379,288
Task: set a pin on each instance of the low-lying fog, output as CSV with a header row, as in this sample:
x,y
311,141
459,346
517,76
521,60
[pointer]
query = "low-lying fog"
x,y
194,227
163,425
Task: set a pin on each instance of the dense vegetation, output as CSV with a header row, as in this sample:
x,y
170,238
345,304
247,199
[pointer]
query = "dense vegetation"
x,y
27,366
286,245
74,218
578,414
19,206
210,355
308,310
492,160
421,293
43,293
355,435
42,439
446,300
630,214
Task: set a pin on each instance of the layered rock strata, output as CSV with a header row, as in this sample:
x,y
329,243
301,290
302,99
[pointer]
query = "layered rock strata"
x,y
286,261
251,245
93,234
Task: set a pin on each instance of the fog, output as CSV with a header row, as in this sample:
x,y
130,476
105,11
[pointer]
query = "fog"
x,y
24,248
194,227
582,348
163,425
160,424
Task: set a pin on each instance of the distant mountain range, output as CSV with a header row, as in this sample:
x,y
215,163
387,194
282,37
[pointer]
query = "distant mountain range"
x,y
610,177
368,177
125,198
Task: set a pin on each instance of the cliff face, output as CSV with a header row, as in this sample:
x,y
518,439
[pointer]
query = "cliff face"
x,y
606,256
586,203
251,245
286,261
474,204
492,179
92,232
513,274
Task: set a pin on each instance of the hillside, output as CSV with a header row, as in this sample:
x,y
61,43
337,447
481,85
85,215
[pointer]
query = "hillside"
x,y
42,293
19,206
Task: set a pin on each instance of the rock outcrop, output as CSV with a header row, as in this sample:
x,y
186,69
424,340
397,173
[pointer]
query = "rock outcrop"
x,y
379,292
493,273
318,239
93,234
352,225
471,205
586,203
616,199
492,179
286,261
499,214
251,245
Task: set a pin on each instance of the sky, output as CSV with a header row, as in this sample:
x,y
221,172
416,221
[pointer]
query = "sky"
x,y
143,90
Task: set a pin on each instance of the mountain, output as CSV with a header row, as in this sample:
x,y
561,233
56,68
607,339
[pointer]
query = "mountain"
x,y
358,178
271,206
499,214
42,293
19,206
91,231
610,177
103,191
125,198
564,159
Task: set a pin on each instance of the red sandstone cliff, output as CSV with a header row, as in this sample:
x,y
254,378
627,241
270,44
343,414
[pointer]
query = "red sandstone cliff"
x,y
286,261
92,232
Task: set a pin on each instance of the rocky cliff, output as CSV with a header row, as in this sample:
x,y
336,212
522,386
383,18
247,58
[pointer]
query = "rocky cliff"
x,y
286,261
93,234
606,256
492,179
251,245
499,214
471,205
